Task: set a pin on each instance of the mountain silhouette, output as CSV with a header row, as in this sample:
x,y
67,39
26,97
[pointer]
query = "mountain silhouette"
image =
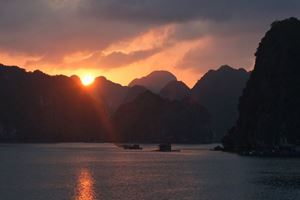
x,y
269,112
112,93
219,91
154,81
36,107
175,90
150,118
133,93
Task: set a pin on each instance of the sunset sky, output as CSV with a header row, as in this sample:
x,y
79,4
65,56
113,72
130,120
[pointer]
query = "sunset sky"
x,y
125,39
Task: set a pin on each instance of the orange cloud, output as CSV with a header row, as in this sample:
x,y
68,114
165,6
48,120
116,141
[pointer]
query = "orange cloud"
x,y
123,40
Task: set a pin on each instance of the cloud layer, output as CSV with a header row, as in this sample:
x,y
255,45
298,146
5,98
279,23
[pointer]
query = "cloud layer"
x,y
112,35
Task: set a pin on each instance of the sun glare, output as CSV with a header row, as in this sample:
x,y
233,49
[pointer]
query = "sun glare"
x,y
87,79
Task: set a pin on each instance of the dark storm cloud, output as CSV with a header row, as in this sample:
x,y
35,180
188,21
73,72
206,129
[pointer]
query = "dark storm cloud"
x,y
166,11
41,27
52,29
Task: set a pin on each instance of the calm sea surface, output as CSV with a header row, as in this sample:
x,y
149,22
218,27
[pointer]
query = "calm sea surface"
x,y
104,171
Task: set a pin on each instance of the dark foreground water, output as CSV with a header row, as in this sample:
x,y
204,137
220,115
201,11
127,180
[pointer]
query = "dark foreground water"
x,y
103,171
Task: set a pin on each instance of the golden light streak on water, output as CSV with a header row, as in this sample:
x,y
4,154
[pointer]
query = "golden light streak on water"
x,y
85,186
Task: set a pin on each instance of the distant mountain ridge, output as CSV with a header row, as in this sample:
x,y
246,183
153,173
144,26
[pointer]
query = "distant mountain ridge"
x,y
36,107
115,94
154,81
106,101
219,91
133,93
150,118
175,90
111,93
42,108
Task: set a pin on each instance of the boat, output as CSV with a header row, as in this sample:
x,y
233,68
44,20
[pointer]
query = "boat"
x,y
131,146
166,147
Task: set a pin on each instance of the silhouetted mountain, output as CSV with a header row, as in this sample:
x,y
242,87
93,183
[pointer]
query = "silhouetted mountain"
x,y
155,81
175,90
76,79
35,107
150,118
112,93
269,111
133,93
219,91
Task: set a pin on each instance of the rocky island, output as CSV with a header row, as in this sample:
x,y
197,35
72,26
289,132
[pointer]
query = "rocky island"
x,y
269,112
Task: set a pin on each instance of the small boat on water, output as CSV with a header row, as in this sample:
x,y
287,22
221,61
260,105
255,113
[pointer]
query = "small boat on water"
x,y
131,146
166,147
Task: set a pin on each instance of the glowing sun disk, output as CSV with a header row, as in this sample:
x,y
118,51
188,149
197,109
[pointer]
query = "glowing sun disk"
x,y
87,79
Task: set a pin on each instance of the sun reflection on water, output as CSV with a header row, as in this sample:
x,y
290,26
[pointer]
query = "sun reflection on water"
x,y
85,186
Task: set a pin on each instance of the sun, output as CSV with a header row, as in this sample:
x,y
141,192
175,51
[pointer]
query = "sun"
x,y
87,79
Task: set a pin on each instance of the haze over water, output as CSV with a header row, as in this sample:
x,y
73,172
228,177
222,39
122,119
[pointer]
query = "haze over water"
x,y
103,171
